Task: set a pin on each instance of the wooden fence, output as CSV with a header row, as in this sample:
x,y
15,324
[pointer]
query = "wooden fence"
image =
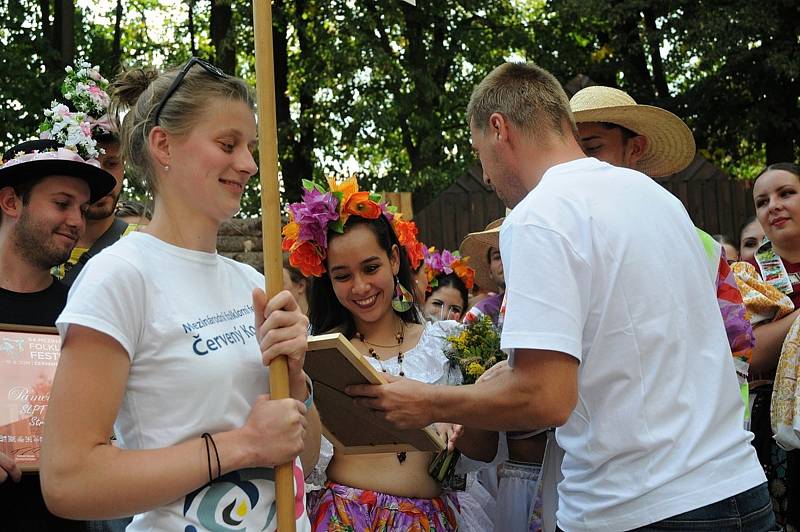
x,y
465,206
715,202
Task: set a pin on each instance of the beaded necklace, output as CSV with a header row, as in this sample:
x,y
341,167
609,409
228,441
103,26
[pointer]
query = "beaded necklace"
x,y
400,337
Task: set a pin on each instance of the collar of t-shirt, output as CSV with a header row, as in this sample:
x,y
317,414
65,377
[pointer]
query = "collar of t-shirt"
x,y
574,165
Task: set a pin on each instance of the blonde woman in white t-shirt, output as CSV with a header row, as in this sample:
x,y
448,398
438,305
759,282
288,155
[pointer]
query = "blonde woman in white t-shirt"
x,y
166,343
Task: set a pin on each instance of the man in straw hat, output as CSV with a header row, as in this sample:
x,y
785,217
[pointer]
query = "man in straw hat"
x,y
613,128
483,250
609,326
45,190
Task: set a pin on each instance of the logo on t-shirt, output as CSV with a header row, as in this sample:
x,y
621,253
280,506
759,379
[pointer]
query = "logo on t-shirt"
x,y
205,341
241,500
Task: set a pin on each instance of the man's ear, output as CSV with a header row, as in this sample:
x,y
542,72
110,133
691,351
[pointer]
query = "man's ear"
x,y
498,127
635,148
10,203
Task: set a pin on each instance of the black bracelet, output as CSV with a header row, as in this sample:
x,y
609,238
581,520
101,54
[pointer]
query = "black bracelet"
x,y
208,455
216,454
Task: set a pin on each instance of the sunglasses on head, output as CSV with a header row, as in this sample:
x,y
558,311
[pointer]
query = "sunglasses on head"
x,y
208,67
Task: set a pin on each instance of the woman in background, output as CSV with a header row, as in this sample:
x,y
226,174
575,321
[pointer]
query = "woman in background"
x,y
449,283
776,193
750,237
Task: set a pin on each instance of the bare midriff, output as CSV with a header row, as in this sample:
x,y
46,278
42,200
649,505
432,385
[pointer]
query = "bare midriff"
x,y
530,450
384,473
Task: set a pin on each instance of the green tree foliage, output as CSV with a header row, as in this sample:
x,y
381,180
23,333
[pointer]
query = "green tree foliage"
x,y
28,68
393,82
729,68
385,84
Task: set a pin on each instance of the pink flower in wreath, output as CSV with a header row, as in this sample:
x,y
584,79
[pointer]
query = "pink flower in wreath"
x,y
314,214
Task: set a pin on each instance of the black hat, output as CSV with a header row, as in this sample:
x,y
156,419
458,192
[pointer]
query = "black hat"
x,y
41,158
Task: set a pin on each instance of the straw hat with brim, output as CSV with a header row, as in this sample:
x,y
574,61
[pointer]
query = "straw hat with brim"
x,y
42,158
670,144
476,246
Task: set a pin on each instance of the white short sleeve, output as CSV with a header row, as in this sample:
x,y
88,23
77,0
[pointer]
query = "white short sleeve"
x,y
548,286
108,296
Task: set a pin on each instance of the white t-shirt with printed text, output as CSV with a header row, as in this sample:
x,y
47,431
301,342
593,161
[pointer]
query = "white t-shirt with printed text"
x,y
186,320
604,265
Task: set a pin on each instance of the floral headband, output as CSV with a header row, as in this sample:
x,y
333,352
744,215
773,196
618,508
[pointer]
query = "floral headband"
x,y
85,89
305,237
442,263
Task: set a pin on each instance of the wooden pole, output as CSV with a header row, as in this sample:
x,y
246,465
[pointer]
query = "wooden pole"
x,y
271,228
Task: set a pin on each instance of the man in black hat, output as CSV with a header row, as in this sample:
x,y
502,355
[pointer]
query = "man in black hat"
x,y
44,192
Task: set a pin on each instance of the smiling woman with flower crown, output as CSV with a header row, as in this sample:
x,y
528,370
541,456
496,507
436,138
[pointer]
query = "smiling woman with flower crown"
x,y
449,283
362,254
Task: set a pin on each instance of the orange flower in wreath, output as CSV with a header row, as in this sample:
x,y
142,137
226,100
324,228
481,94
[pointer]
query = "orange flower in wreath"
x,y
415,254
406,231
464,272
291,233
407,235
347,188
359,204
307,260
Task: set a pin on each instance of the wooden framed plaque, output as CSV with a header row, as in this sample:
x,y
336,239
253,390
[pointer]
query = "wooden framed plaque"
x,y
333,363
28,359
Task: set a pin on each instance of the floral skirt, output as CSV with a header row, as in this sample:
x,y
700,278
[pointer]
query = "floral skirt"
x,y
338,508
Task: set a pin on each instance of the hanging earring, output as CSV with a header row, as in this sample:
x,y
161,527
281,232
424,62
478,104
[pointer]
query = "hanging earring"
x,y
166,168
402,300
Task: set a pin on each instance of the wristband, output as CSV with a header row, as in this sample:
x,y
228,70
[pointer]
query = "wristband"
x,y
309,402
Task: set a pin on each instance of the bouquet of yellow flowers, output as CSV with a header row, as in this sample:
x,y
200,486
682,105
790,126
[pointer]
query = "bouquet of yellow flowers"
x,y
475,349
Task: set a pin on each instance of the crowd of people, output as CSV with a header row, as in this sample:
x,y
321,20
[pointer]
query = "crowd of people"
x,y
645,386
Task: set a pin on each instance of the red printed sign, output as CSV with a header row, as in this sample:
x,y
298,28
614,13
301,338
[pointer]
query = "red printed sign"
x,y
28,359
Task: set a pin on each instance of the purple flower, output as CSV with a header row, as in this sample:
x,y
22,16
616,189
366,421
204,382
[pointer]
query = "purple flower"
x,y
385,211
434,261
314,214
447,260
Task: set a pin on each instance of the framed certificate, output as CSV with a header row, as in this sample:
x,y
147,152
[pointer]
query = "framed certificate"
x,y
333,363
28,359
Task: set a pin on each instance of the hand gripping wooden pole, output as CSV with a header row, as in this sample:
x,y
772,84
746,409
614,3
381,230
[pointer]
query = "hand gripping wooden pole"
x,y
271,228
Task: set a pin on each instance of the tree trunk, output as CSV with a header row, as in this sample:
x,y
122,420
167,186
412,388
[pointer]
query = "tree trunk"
x,y
280,57
301,165
50,38
782,92
222,35
47,28
654,44
192,44
64,34
295,140
116,49
637,77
